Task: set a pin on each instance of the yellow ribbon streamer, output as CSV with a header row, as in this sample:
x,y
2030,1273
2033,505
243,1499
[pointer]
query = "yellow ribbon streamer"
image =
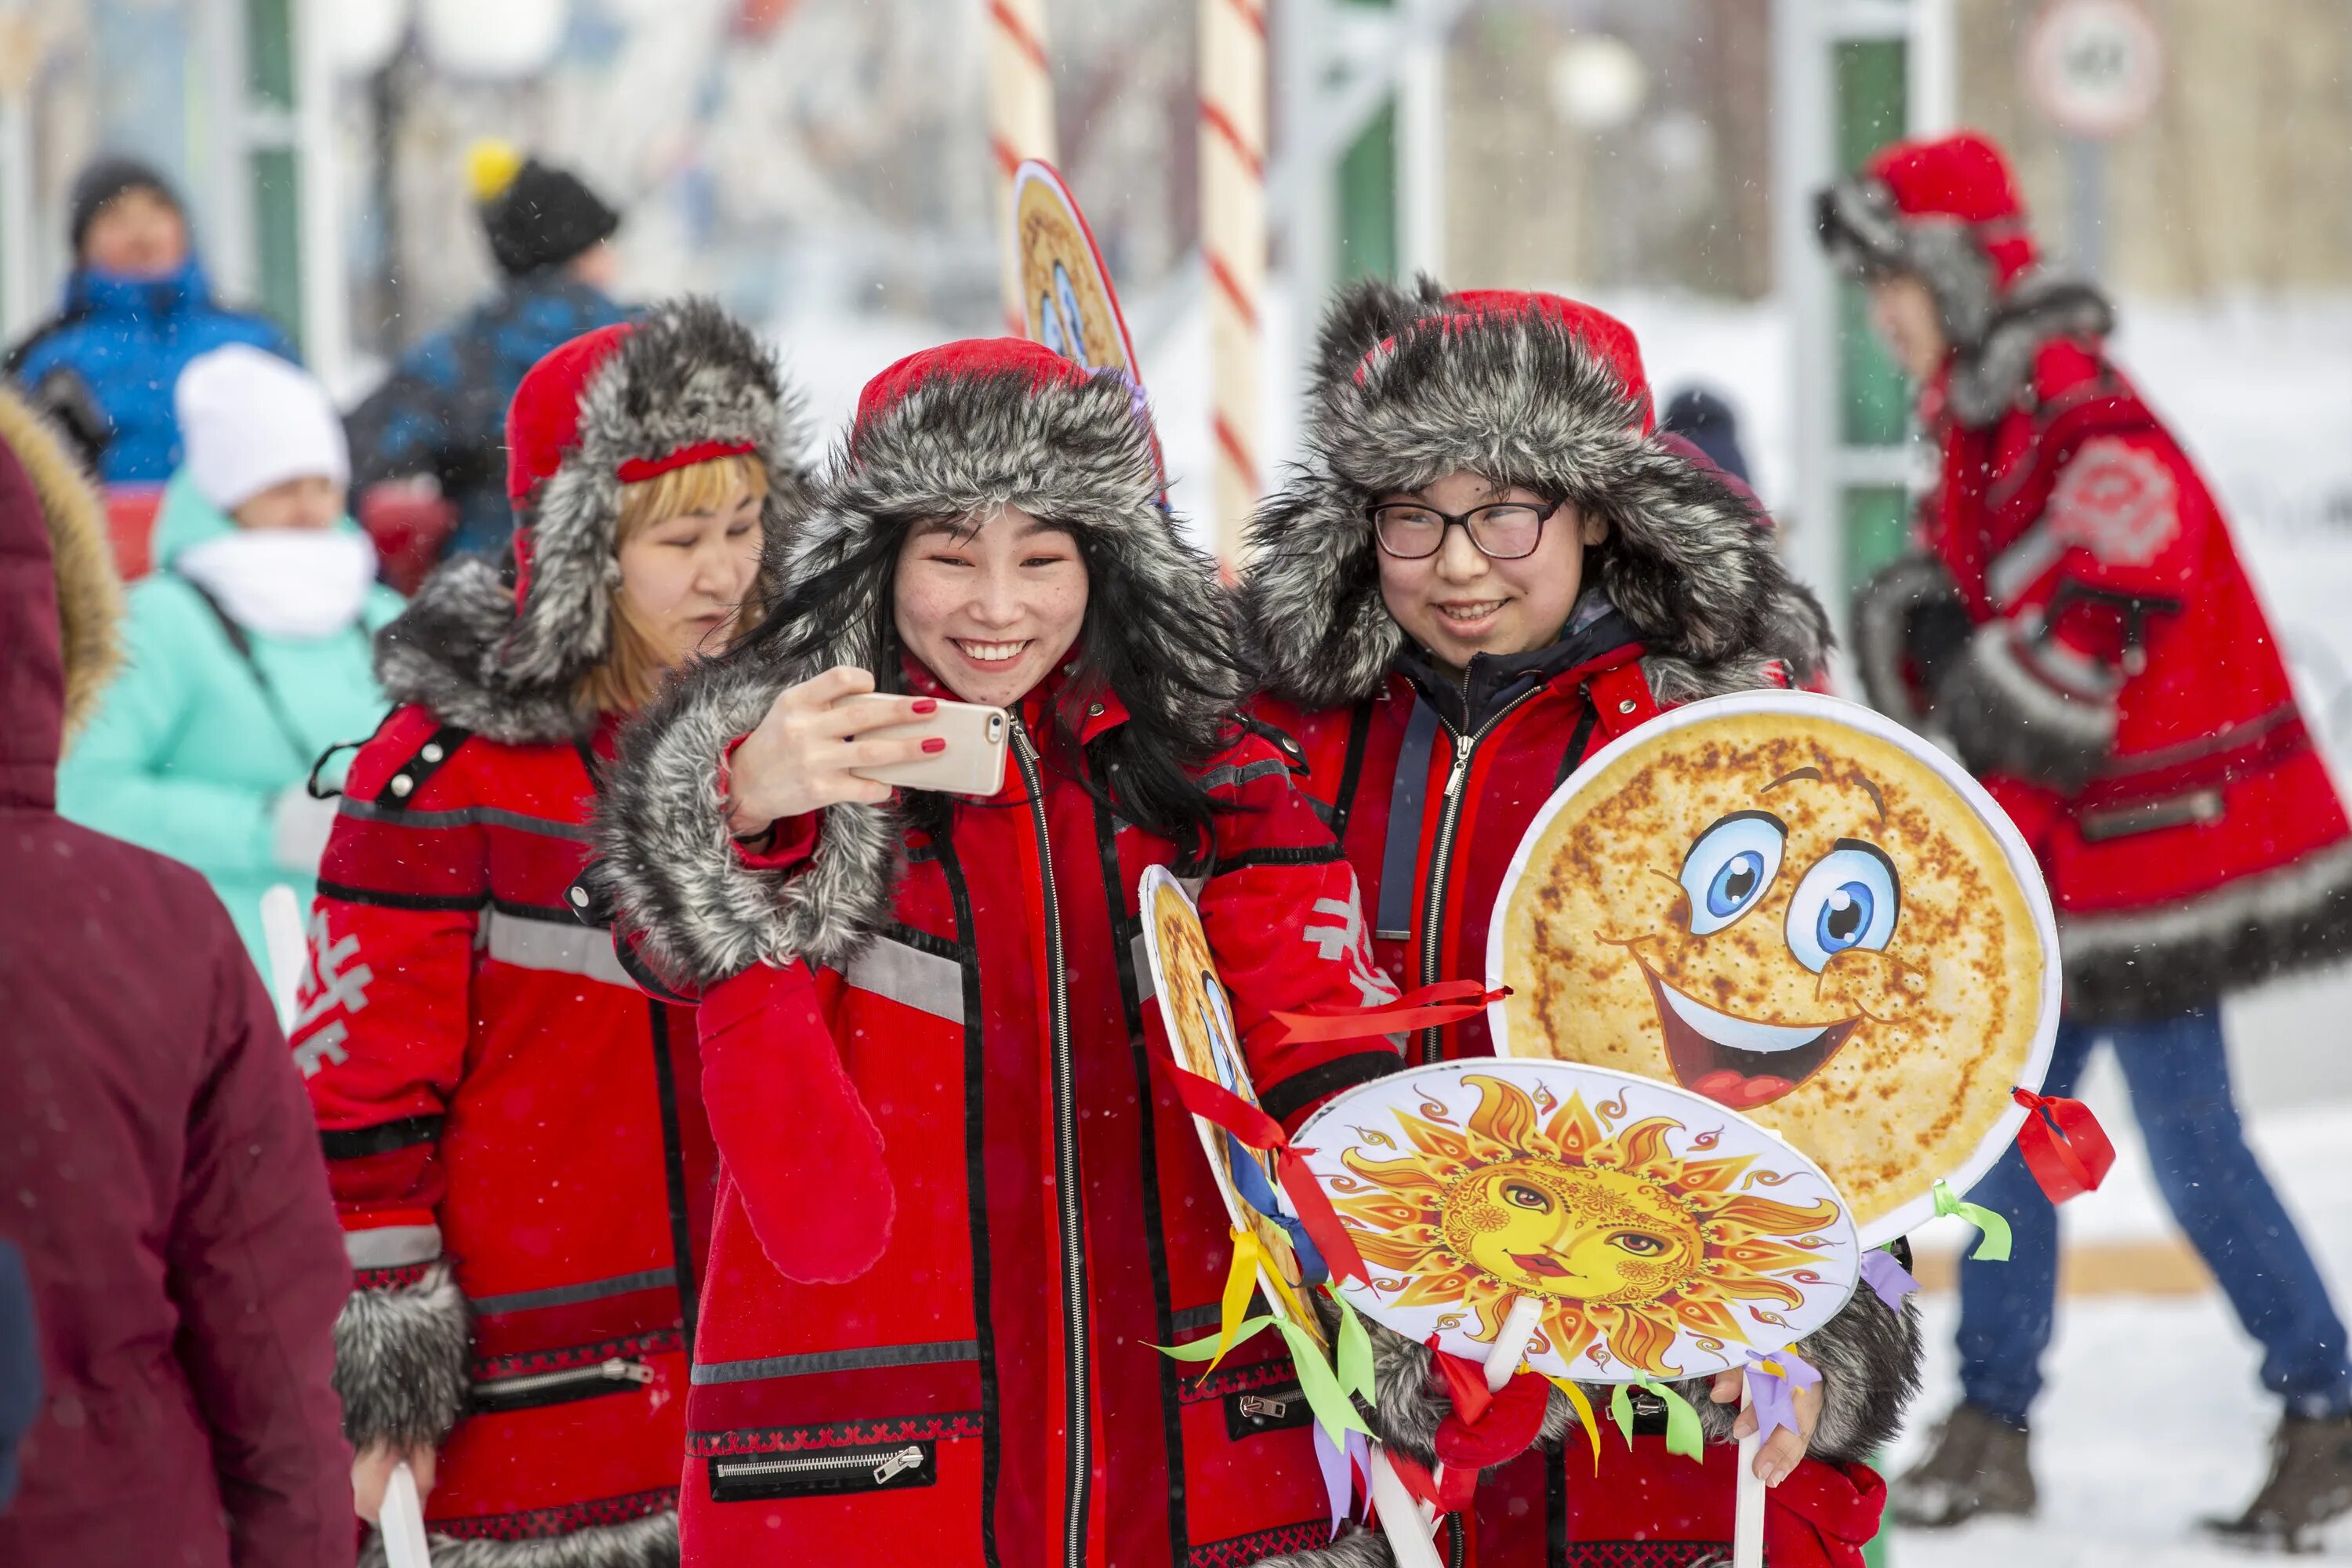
x,y
1584,1416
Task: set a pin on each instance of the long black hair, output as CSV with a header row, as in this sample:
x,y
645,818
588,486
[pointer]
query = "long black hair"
x,y
1181,712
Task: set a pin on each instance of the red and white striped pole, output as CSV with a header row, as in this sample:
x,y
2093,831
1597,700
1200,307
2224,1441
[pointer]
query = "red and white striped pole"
x,y
1233,245
1020,122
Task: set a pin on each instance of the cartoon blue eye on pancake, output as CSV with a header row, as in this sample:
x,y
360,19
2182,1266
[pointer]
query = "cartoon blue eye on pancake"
x,y
1800,912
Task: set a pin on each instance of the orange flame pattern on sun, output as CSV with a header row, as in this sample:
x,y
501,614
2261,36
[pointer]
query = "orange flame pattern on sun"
x,y
1706,1247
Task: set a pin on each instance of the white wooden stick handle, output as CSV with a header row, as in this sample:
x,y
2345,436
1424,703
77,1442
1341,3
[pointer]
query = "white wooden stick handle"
x,y
1400,1516
1747,1511
1510,1346
402,1521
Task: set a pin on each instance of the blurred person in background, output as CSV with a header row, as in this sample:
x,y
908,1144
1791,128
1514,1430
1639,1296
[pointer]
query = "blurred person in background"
x,y
2077,624
513,1130
137,311
162,1171
1702,416
442,412
249,652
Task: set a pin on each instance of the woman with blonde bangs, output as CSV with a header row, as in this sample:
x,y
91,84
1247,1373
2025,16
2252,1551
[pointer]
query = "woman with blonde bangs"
x,y
513,1130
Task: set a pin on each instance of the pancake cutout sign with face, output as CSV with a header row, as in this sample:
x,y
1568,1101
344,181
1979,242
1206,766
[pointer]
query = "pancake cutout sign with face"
x,y
1663,1234
1199,1016
1797,909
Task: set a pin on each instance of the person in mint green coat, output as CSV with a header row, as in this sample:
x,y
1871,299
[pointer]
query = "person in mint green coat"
x,y
247,649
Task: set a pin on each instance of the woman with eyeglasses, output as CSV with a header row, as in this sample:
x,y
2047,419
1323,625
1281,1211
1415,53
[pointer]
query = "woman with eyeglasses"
x,y
1492,567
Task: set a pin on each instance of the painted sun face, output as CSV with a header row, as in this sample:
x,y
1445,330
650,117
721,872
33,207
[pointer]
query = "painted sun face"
x,y
1582,1234
1797,917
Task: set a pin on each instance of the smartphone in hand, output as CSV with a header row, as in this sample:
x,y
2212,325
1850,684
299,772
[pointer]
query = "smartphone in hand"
x,y
972,761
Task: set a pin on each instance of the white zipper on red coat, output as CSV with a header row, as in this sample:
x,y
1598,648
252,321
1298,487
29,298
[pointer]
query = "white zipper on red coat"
x,y
1441,862
1078,1379
613,1370
885,1466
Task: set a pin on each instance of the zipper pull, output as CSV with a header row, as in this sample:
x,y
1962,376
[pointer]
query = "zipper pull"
x,y
1461,744
897,1464
1263,1408
619,1371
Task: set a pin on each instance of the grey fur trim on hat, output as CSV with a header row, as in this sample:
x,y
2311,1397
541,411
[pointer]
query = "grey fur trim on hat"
x,y
957,446
650,1542
1995,332
2141,964
1519,399
401,1357
687,374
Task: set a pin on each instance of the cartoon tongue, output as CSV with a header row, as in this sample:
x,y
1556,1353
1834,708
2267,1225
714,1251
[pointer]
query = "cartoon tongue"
x,y
1739,1091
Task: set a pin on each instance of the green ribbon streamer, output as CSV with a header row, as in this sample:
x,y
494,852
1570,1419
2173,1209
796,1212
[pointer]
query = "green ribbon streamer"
x,y
1684,1435
1207,1350
1993,1246
1334,1412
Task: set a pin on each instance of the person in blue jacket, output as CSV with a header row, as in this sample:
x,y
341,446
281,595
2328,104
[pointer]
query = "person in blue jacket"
x,y
442,412
137,310
248,648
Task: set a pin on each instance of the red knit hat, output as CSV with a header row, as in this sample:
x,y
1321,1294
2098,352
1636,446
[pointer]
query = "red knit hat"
x,y
1961,176
969,357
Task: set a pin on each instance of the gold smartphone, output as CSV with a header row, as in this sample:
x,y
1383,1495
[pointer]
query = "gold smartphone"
x,y
973,762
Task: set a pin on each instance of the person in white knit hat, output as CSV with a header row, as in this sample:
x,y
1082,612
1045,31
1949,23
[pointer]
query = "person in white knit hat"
x,y
249,646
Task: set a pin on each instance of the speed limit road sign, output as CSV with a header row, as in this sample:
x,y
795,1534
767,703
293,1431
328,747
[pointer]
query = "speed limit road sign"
x,y
2093,66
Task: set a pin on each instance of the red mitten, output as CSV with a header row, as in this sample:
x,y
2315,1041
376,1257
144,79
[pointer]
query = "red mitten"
x,y
796,1137
1508,1427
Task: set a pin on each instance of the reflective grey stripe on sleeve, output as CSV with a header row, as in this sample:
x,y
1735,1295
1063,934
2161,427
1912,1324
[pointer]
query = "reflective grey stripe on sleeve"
x,y
908,975
569,1295
392,1246
1141,955
1401,856
2020,566
469,817
563,946
707,1373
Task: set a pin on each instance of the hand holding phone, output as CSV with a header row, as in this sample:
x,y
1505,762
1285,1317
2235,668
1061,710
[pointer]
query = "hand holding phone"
x,y
832,738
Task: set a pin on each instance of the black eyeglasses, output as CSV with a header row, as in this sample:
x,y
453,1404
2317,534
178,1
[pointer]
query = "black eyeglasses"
x,y
1506,530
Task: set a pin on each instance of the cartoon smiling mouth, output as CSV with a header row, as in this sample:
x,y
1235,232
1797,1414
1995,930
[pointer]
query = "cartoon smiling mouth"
x,y
1739,1062
1543,1264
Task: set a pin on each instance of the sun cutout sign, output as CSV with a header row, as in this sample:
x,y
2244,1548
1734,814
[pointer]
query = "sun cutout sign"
x,y
1663,1235
1799,911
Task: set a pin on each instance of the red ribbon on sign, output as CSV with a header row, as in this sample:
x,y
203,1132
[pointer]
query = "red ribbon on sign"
x,y
2064,1145
1451,1495
1212,1102
1446,1002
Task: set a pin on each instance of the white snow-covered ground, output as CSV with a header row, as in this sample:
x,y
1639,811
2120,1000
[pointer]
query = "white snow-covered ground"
x,y
2152,1416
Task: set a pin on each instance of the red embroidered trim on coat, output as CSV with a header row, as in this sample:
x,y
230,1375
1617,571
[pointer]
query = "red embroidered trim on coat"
x,y
838,1435
540,1524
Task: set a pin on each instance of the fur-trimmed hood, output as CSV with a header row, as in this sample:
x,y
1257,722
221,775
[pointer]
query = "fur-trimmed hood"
x,y
1527,390
501,652
1997,305
951,432
63,600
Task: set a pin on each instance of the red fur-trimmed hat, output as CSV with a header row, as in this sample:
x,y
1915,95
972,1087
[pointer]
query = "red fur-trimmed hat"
x,y
1944,210
684,384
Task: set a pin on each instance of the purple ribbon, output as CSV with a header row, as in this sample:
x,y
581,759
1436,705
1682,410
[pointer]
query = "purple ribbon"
x,y
1888,1278
1772,1384
1338,1462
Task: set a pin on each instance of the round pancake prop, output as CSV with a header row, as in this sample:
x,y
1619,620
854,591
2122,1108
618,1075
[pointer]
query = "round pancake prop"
x,y
1194,1005
1794,907
1658,1235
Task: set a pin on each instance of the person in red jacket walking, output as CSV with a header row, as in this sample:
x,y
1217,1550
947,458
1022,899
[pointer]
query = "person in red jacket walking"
x,y
1493,566
2075,620
958,1211
514,1129
162,1186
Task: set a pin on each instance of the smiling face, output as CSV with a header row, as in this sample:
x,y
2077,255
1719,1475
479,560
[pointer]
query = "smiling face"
x,y
990,604
1585,1235
1459,602
1798,919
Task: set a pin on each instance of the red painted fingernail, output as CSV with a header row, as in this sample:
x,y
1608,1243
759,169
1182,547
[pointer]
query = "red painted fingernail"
x,y
936,744
927,704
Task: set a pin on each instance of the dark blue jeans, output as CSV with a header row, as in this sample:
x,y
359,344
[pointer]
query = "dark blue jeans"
x,y
2179,1079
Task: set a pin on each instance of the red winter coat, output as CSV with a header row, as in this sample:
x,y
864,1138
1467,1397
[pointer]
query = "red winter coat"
x,y
2106,666
163,1180
941,1408
515,1135
1431,783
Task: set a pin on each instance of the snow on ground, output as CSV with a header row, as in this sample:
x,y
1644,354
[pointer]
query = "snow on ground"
x,y
2152,1418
